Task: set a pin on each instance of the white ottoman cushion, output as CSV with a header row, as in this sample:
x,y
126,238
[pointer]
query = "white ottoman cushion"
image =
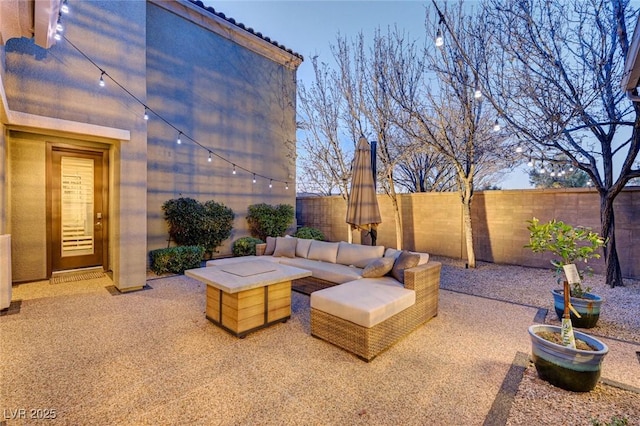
x,y
366,302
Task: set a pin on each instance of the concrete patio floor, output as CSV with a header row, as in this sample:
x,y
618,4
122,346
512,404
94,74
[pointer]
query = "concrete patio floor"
x,y
150,357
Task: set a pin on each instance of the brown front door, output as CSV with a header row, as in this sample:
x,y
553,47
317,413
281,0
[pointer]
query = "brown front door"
x,y
77,191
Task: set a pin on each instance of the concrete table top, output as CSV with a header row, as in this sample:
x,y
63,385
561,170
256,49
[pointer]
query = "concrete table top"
x,y
246,275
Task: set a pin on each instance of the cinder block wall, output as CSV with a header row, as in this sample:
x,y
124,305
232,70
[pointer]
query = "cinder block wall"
x,y
432,222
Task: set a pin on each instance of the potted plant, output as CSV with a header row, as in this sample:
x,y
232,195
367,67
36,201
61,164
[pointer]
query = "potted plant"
x,y
569,360
571,245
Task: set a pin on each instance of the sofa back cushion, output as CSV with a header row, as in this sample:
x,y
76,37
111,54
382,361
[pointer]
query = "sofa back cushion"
x,y
285,247
357,254
271,246
323,251
302,248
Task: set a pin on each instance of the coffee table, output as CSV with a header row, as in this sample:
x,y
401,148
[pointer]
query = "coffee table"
x,y
246,296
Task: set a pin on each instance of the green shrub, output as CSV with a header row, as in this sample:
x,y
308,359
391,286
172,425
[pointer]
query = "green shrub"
x,y
192,223
269,221
245,246
309,233
175,259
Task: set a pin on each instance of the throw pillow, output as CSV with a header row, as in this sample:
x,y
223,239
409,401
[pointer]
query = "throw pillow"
x,y
406,260
378,267
285,247
271,246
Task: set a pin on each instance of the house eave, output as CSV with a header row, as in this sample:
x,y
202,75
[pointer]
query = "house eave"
x,y
226,29
631,74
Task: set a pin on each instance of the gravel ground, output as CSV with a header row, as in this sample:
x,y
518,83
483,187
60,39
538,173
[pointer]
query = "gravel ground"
x,y
537,402
619,317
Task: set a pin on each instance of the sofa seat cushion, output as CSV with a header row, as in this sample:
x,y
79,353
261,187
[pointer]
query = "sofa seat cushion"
x,y
231,260
333,272
366,302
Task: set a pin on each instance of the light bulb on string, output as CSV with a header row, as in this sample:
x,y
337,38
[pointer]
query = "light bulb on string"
x,y
146,114
59,27
101,82
439,38
530,163
179,140
518,149
57,37
270,183
254,178
286,186
209,159
496,126
477,93
65,7
234,170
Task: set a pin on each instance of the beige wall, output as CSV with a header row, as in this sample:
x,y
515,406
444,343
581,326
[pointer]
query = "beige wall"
x,y
54,93
235,102
433,222
28,209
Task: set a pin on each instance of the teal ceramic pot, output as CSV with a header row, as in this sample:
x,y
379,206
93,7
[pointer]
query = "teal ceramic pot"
x,y
588,307
570,369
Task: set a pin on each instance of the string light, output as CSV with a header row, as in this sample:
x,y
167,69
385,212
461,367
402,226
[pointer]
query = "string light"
x,y
59,27
102,83
64,8
530,163
496,126
518,149
477,93
286,185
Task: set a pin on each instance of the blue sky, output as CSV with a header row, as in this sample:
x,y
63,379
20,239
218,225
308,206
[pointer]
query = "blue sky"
x,y
309,27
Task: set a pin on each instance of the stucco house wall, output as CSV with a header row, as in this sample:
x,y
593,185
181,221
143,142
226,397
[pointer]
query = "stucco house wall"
x,y
238,103
53,94
223,85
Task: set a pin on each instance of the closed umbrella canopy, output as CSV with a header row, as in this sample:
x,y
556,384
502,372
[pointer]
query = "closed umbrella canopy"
x,y
362,208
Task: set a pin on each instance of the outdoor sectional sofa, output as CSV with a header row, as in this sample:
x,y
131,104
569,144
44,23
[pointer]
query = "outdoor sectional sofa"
x,y
363,309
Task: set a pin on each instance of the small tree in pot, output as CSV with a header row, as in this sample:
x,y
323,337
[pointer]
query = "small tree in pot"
x,y
571,244
562,364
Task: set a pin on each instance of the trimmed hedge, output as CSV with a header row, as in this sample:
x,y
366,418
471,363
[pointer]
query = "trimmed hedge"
x,y
309,233
194,223
269,221
245,246
175,259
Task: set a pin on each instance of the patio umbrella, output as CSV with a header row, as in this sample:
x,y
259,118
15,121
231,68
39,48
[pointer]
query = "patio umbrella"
x,y
362,208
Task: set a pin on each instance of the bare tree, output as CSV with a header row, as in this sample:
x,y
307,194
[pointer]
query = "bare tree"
x,y
450,118
327,169
370,110
424,171
552,69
